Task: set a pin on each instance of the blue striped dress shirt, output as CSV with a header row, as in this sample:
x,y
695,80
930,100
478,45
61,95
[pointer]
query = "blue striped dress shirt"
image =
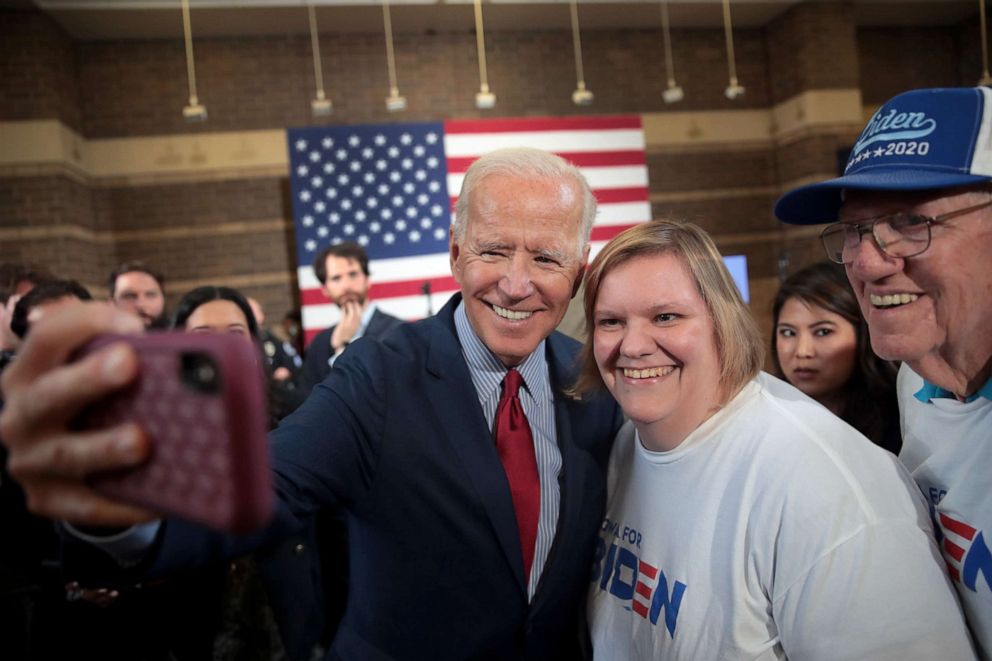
x,y
538,401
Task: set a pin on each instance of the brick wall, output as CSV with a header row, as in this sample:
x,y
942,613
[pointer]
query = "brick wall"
x,y
237,230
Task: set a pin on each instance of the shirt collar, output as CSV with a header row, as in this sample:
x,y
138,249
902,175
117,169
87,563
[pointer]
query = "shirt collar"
x,y
488,371
930,391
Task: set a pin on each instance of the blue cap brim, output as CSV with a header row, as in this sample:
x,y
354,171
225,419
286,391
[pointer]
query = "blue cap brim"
x,y
820,203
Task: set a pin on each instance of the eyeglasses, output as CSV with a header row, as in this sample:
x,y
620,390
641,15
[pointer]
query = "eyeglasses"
x,y
897,234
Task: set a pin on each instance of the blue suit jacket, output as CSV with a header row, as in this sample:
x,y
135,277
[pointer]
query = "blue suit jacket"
x,y
396,434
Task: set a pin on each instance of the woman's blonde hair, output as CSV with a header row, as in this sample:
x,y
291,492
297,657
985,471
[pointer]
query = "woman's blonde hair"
x,y
738,341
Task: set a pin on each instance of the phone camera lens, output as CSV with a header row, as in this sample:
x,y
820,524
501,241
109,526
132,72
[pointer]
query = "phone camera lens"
x,y
200,372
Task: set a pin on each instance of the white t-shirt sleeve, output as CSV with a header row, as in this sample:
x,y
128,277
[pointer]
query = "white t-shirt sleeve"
x,y
875,595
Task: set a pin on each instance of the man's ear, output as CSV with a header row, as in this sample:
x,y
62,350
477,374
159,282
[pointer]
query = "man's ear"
x,y
454,250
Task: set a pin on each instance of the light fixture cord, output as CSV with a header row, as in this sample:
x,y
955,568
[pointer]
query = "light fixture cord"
x,y
190,69
577,45
669,63
318,72
390,58
480,41
986,79
729,33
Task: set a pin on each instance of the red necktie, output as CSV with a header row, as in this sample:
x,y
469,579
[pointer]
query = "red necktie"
x,y
516,450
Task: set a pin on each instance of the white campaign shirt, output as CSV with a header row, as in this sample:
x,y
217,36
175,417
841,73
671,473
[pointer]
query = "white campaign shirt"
x,y
773,531
947,447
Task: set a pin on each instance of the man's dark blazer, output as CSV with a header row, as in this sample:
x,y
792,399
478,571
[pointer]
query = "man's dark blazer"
x,y
397,435
315,367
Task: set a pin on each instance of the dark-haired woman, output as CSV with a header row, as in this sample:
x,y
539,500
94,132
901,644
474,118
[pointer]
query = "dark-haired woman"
x,y
821,346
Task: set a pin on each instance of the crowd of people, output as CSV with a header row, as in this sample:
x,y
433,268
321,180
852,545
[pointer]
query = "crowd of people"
x,y
477,485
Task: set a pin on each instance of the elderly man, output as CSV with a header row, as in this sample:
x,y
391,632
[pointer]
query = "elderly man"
x,y
914,231
474,484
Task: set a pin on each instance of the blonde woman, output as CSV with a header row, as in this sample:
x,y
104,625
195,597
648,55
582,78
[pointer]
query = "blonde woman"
x,y
744,520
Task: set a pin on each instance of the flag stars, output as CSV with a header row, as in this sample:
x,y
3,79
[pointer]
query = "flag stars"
x,y
367,153
348,229
346,204
400,225
331,193
363,240
386,214
425,223
369,178
375,226
436,210
418,151
317,182
301,145
343,179
409,188
308,220
431,138
355,166
335,218
341,154
304,196
434,186
406,163
319,207
440,234
380,140
354,141
411,212
383,189
420,175
397,200
327,143
395,176
302,171
393,152
360,215
388,238
371,203
310,245
328,168
357,191
406,139
380,165
423,199
337,241
315,156
414,236
432,162
322,231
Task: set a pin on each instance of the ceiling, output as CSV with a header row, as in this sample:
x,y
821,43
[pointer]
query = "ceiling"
x,y
153,19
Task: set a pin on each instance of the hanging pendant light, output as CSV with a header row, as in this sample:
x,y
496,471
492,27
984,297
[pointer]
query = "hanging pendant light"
x,y
194,111
394,102
484,99
673,93
581,96
320,105
733,90
986,79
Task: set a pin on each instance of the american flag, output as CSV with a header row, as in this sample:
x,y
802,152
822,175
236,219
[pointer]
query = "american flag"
x,y
392,189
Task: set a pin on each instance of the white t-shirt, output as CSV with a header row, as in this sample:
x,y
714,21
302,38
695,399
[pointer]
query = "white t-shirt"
x,y
775,530
947,447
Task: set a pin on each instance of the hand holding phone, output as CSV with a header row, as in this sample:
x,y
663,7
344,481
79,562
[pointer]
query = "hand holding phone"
x,y
200,400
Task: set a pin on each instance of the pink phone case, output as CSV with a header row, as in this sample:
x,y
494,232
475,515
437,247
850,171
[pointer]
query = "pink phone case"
x,y
200,398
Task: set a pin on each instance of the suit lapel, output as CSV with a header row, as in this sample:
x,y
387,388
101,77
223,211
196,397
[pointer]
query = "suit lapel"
x,y
453,397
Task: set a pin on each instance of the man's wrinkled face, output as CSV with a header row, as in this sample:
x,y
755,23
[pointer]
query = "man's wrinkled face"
x,y
518,264
346,282
936,305
140,294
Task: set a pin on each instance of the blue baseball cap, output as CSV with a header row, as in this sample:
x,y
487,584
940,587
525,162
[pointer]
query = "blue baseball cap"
x,y
920,140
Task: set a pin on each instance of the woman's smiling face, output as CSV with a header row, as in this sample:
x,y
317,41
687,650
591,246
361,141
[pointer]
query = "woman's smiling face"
x,y
654,343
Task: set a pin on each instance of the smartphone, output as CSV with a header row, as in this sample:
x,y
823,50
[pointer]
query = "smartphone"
x,y
200,398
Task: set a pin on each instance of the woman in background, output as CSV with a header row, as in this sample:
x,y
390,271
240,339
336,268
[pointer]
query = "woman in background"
x,y
743,520
820,345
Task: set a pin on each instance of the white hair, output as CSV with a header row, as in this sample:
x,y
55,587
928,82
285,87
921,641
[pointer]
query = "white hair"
x,y
524,162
